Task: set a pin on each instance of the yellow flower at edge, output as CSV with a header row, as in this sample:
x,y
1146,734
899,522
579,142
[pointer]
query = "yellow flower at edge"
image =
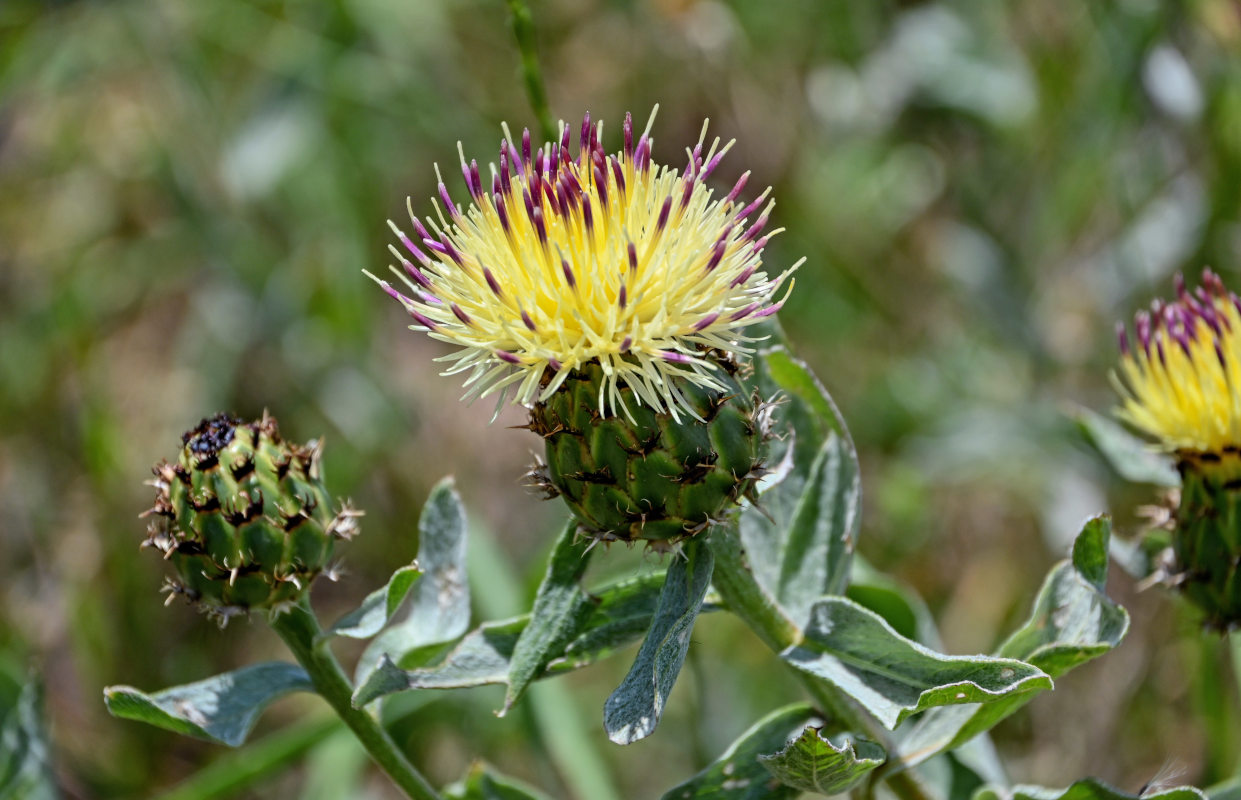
x,y
1181,384
562,260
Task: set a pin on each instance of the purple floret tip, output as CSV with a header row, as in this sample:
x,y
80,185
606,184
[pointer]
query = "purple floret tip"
x,y
663,214
706,321
678,358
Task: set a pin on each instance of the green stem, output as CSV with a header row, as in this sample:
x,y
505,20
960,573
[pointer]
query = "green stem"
x,y
300,631
523,31
749,601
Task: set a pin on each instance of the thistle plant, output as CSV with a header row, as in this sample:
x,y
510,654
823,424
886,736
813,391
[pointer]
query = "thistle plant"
x,y
626,307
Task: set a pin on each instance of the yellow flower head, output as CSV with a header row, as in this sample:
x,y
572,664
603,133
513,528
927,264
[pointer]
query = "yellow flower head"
x,y
561,260
1182,383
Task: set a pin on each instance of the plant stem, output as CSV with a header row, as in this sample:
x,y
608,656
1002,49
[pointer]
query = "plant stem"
x,y
536,92
749,601
300,631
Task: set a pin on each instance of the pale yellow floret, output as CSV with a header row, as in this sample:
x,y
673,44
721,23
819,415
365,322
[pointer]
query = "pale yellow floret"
x,y
1188,401
577,319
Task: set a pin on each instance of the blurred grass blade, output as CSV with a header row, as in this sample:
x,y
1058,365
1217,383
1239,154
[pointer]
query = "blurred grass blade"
x,y
219,709
483,783
811,763
738,774
1132,458
25,759
1225,790
1073,621
1088,789
892,677
618,615
336,768
633,710
440,603
235,770
559,609
369,618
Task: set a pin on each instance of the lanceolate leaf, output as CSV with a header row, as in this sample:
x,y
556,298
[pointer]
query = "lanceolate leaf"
x,y
1073,621
482,783
1133,459
892,677
1089,789
618,616
811,763
25,759
440,601
633,710
819,543
559,609
369,618
220,709
738,774
799,542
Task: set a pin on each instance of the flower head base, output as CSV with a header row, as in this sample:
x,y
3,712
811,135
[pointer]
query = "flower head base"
x,y
1182,383
564,260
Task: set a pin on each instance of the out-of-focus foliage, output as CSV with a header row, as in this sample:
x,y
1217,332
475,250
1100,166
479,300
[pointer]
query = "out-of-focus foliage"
x,y
188,192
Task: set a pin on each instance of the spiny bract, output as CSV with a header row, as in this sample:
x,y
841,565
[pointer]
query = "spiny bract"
x,y
1182,386
244,517
647,476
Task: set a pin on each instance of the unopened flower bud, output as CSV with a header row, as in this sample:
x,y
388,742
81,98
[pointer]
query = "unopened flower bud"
x,y
244,517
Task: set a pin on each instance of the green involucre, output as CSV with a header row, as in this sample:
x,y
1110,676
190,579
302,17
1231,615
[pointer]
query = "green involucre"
x,y
641,474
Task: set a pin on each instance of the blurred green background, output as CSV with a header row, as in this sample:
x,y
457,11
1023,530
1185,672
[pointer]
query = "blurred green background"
x,y
190,190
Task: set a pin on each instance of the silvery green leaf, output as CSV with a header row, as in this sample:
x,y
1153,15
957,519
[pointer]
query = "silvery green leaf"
x,y
369,618
812,763
1088,789
618,616
219,709
819,542
738,774
892,677
1073,621
800,540
560,608
483,783
1132,458
25,759
633,710
384,679
439,605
